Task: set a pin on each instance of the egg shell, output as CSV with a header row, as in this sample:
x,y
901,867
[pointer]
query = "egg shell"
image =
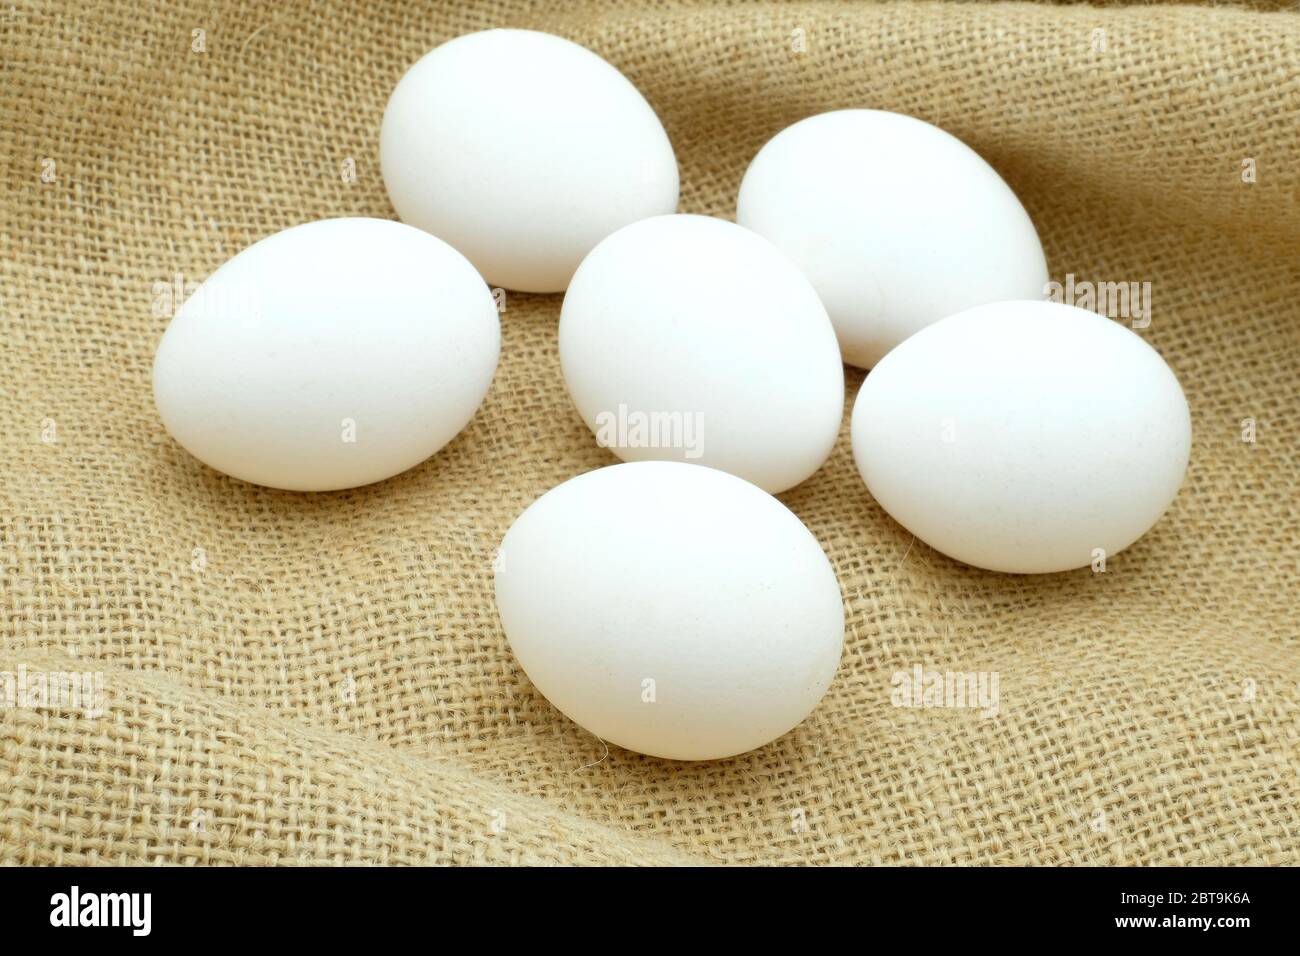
x,y
523,150
671,609
329,355
694,320
1023,436
896,222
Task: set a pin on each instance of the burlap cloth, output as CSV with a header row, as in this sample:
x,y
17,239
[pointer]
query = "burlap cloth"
x,y
326,681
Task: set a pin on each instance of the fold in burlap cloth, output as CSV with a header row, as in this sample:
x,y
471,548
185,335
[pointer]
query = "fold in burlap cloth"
x,y
322,678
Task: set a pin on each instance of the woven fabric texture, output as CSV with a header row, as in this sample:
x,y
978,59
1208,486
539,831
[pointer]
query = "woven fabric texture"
x,y
322,678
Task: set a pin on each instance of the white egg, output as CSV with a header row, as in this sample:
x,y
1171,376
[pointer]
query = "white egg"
x,y
1023,436
692,339
329,355
523,150
896,222
671,609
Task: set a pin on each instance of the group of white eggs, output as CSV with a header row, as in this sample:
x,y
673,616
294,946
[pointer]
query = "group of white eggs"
x,y
679,610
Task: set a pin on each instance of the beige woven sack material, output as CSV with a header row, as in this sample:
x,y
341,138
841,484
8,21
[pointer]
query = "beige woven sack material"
x,y
288,678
